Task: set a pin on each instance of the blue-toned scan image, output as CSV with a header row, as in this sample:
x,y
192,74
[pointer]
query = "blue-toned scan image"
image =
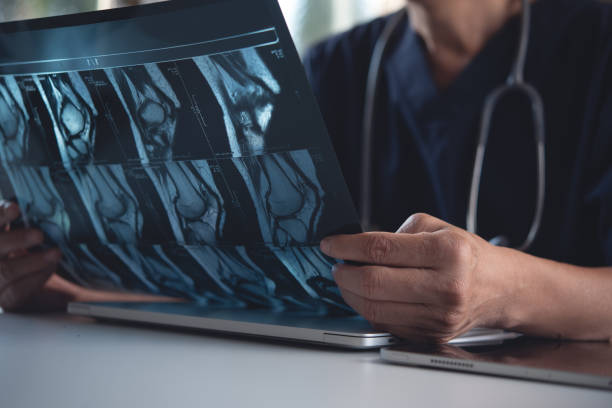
x,y
186,177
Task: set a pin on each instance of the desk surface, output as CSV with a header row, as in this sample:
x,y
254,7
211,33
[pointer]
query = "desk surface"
x,y
59,361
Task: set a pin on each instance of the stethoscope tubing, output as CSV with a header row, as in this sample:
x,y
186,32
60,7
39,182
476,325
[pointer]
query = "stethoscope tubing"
x,y
515,83
537,108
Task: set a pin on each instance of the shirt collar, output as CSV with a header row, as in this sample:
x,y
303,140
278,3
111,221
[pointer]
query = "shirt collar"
x,y
411,83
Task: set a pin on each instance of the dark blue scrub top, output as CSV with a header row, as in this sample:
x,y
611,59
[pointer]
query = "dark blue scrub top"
x,y
425,137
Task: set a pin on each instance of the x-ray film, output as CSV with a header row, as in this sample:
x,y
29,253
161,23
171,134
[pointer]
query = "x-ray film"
x,y
194,170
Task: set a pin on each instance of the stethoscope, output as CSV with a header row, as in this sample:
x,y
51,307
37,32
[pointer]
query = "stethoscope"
x,y
515,83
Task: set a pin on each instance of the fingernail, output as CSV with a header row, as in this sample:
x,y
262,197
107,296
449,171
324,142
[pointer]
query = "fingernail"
x,y
325,245
53,256
334,271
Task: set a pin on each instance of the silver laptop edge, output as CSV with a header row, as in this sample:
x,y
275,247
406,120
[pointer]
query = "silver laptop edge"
x,y
237,327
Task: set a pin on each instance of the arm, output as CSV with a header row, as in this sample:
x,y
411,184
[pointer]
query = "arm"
x,y
431,281
553,299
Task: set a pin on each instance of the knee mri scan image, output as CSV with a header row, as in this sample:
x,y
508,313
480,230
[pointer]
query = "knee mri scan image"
x,y
185,178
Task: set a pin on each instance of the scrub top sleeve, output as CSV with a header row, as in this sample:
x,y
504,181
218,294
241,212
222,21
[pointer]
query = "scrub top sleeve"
x,y
602,152
323,65
311,73
601,194
313,61
604,190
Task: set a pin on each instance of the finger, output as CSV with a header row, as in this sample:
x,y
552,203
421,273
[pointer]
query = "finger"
x,y
51,297
422,223
433,321
19,293
389,313
8,212
388,284
418,334
12,241
382,248
13,270
456,352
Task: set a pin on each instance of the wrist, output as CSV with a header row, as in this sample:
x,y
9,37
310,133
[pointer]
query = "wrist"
x,y
523,293
508,289
533,298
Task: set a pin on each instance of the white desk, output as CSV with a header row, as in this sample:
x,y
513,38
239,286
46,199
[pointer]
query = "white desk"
x,y
64,362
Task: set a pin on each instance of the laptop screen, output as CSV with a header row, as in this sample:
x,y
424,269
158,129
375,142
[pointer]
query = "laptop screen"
x,y
176,149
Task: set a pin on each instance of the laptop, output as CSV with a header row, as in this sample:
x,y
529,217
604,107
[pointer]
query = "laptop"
x,y
176,149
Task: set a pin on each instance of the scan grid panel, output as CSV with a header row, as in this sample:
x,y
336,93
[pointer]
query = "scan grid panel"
x,y
174,171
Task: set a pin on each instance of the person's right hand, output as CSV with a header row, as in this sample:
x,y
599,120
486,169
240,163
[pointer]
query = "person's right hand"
x,y
22,273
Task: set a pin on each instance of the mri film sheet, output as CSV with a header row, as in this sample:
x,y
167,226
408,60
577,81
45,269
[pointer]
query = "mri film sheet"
x,y
195,177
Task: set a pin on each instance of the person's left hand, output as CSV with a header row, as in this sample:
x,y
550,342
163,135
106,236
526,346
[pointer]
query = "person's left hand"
x,y
430,281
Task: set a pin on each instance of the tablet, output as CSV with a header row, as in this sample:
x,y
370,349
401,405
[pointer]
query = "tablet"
x,y
587,364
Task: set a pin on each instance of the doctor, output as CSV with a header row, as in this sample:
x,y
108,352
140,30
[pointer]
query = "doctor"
x,y
432,280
